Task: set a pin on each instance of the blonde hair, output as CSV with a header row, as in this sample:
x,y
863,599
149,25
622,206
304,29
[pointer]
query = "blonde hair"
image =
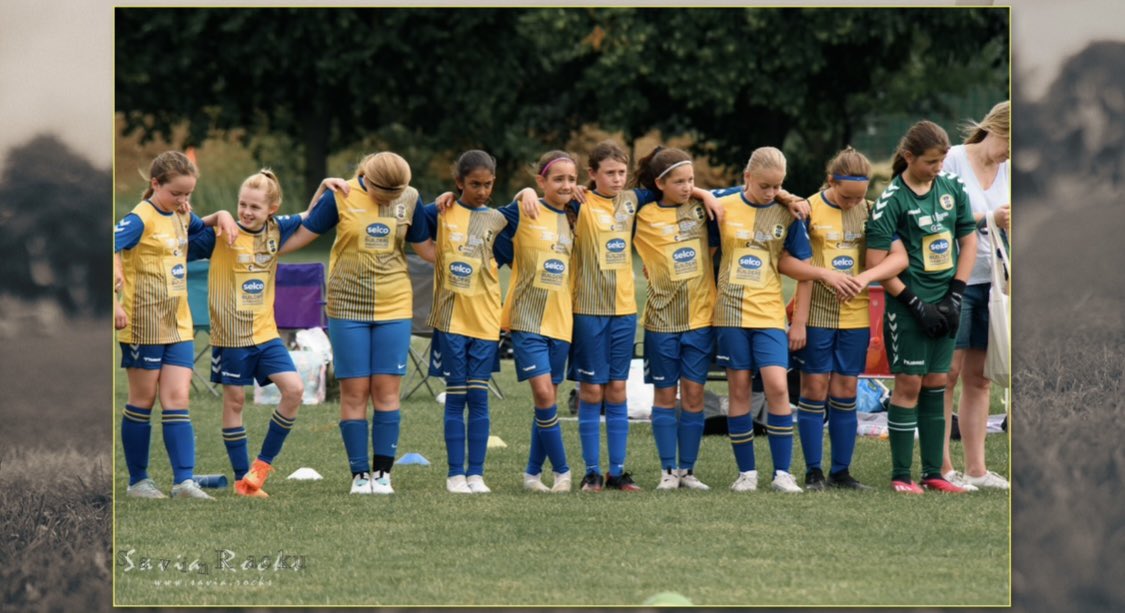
x,y
998,121
168,166
847,163
386,175
266,181
766,158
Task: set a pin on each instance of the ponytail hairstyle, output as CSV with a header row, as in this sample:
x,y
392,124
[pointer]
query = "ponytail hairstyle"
x,y
266,181
471,160
168,166
606,150
921,137
847,163
998,122
655,165
385,174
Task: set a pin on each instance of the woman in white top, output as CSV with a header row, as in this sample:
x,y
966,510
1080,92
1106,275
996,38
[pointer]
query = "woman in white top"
x,y
982,164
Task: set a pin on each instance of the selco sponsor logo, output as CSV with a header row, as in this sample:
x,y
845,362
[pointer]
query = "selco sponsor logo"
x,y
378,229
939,246
253,286
178,271
684,254
460,269
554,266
843,262
615,245
751,262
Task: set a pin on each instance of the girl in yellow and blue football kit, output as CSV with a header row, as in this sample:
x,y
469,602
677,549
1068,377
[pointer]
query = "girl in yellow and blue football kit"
x,y
605,320
370,304
245,343
154,323
829,336
759,241
674,241
466,315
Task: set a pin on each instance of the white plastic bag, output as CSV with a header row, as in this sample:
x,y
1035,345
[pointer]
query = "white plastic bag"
x,y
998,358
310,365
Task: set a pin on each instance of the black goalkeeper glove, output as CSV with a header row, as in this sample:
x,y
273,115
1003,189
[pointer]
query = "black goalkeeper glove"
x,y
950,306
933,323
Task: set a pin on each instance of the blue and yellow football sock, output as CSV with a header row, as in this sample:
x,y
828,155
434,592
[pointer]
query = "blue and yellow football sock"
x,y
136,433
901,422
589,432
664,433
455,428
931,430
179,441
741,432
810,426
780,431
537,454
550,435
280,426
385,426
842,422
479,425
690,436
616,436
354,433
234,439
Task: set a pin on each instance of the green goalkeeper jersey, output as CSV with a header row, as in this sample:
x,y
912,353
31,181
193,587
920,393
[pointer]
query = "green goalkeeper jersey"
x,y
929,227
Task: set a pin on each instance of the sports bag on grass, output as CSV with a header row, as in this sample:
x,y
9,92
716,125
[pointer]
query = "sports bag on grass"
x,y
998,359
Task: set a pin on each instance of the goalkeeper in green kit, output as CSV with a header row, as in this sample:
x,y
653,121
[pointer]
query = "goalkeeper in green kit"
x,y
930,212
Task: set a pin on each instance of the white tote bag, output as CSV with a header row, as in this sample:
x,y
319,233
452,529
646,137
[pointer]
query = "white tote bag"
x,y
998,359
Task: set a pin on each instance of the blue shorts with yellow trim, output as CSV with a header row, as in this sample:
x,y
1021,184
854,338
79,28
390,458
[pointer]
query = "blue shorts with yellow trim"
x,y
244,365
829,350
670,356
602,348
458,358
154,357
539,355
751,348
365,348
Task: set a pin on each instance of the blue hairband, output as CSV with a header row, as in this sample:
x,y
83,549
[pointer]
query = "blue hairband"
x,y
850,178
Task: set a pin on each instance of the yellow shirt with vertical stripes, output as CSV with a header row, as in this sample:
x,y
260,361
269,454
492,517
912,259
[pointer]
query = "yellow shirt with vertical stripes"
x,y
749,285
368,279
155,291
603,254
539,293
466,276
673,244
838,242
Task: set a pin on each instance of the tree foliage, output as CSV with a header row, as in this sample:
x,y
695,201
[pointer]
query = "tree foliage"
x,y
517,81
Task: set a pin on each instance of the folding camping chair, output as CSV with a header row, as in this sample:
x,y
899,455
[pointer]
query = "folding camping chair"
x,y
197,273
422,279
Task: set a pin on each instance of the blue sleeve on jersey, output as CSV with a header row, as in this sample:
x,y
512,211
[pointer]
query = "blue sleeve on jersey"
x,y
511,212
714,239
195,225
324,215
503,249
201,245
719,192
127,233
645,196
431,212
419,231
288,225
797,241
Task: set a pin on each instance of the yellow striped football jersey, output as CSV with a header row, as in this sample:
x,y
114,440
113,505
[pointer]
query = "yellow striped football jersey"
x,y
466,277
539,291
603,255
749,284
241,288
673,244
367,275
155,292
838,242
